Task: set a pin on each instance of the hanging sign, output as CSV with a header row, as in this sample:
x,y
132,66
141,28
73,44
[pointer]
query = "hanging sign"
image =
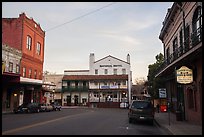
x,y
184,75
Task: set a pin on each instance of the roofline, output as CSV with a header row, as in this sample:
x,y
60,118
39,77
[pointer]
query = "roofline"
x,y
112,57
76,70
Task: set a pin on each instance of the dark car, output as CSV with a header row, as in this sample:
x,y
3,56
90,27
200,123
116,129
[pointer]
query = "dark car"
x,y
141,110
56,106
28,108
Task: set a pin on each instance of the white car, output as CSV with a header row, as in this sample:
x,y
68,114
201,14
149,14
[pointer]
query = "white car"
x,y
124,105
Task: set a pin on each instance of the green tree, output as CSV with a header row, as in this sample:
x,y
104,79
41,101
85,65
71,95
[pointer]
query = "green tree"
x,y
155,83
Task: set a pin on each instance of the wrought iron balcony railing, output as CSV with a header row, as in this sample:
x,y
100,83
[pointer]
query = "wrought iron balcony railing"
x,y
190,42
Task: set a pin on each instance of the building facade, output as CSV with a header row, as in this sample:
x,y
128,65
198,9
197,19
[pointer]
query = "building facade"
x,y
181,36
52,87
25,35
105,84
11,59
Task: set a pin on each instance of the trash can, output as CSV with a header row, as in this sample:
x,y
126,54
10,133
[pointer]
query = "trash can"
x,y
178,116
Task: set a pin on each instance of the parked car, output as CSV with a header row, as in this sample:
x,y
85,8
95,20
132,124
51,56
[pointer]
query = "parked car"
x,y
124,105
56,106
28,108
46,107
141,110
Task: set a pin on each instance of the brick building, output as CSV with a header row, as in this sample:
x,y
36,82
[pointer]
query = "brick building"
x,y
181,36
25,35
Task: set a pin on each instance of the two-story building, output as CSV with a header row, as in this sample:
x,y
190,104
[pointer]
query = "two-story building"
x,y
11,96
181,36
106,83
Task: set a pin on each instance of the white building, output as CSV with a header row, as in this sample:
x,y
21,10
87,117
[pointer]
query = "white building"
x,y
105,84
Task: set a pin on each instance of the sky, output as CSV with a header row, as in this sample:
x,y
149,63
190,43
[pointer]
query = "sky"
x,y
73,30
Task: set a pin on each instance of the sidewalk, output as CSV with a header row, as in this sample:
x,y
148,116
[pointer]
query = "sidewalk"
x,y
176,127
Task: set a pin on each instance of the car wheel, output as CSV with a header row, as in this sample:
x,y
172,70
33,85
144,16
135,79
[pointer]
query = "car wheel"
x,y
38,110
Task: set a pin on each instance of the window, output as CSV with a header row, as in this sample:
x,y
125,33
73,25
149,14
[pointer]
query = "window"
x,y
115,71
197,26
35,74
105,83
40,75
181,42
123,71
38,48
187,38
29,42
168,55
30,73
106,71
24,72
17,68
124,83
175,47
10,67
96,71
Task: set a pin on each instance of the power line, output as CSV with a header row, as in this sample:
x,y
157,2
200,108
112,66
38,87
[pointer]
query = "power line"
x,y
81,16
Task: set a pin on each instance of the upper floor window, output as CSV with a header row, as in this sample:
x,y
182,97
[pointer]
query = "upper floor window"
x,y
123,71
115,71
197,24
29,42
175,44
24,72
17,68
105,71
35,74
10,67
96,71
38,48
30,73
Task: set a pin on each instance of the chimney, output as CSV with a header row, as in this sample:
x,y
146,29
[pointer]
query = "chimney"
x,y
91,60
128,58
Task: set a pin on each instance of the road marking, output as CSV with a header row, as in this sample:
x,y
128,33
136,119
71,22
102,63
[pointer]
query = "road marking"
x,y
37,124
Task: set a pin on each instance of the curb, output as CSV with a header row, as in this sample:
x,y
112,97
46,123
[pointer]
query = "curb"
x,y
165,128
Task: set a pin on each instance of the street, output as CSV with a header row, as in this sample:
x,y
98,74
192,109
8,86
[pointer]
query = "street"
x,y
77,121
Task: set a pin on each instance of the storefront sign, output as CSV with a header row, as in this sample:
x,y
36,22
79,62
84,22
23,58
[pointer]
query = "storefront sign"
x,y
184,75
110,65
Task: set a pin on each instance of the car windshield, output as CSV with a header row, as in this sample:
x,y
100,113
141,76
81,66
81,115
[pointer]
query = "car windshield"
x,y
141,105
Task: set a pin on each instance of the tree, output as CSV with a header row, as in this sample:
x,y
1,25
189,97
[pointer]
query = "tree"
x,y
155,83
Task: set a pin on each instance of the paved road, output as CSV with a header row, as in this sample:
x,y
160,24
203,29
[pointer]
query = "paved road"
x,y
77,121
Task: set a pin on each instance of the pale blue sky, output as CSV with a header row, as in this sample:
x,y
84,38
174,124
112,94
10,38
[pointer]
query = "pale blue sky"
x,y
119,29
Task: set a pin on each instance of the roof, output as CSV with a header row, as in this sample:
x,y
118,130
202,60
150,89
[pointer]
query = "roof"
x,y
95,77
76,71
111,57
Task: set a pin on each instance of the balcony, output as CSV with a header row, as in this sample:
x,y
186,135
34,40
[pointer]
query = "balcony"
x,y
77,88
191,44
